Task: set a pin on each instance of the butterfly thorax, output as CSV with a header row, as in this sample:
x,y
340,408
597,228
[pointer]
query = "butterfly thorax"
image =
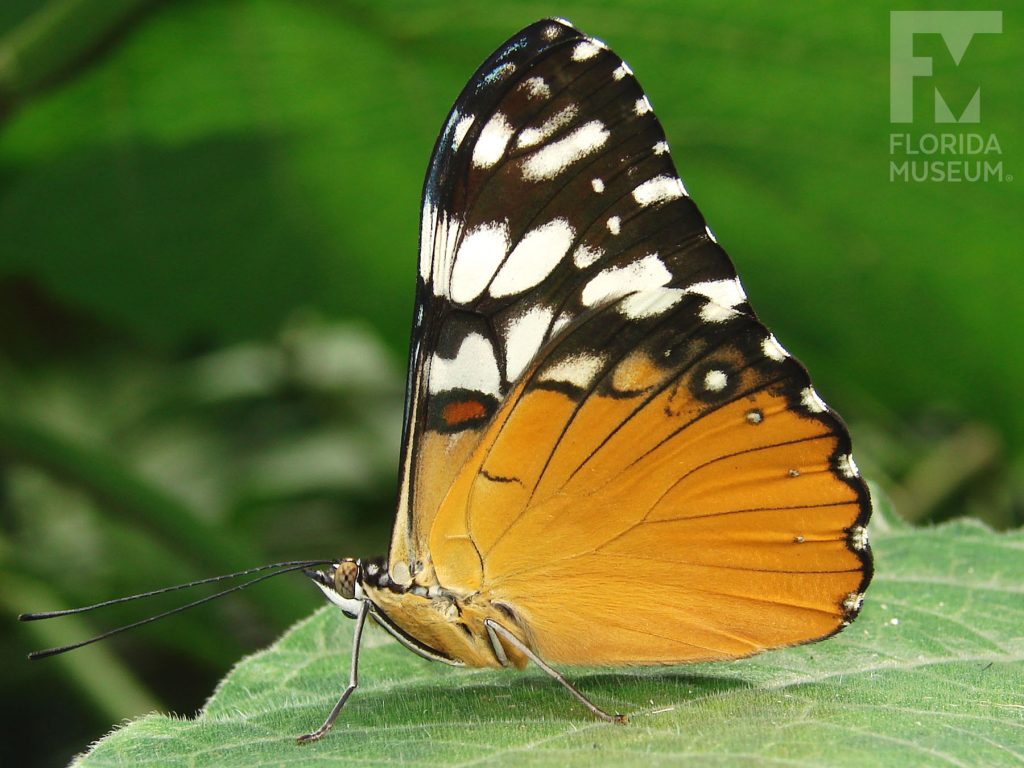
x,y
435,622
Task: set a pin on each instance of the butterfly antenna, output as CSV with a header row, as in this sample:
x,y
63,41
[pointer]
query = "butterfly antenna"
x,y
277,568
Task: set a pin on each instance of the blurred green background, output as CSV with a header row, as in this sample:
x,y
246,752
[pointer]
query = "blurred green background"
x,y
208,224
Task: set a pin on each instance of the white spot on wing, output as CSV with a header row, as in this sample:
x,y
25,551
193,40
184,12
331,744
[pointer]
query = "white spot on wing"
x,y
427,224
550,33
584,255
579,370
615,282
588,49
859,537
552,159
710,234
529,137
461,129
524,337
661,148
722,295
716,313
598,185
847,466
641,283
533,258
475,367
715,381
660,189
536,87
853,602
436,231
622,71
642,106
773,350
482,250
650,303
490,146
811,401
614,224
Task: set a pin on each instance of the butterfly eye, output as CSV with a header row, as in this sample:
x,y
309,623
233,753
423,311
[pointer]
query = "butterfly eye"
x,y
346,573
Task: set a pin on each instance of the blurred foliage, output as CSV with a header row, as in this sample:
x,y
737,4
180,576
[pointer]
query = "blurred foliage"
x,y
208,221
125,471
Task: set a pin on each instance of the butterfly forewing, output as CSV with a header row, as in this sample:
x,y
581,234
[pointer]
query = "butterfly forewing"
x,y
595,412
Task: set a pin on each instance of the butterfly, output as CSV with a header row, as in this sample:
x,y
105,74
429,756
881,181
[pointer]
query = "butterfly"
x,y
606,458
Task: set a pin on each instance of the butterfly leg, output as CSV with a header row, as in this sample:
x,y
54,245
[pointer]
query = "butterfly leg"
x,y
353,680
494,629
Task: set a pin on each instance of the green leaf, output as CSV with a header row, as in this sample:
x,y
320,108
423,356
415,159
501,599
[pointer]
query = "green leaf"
x,y
931,673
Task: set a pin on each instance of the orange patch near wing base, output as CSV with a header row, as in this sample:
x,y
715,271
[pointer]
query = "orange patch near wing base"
x,y
463,411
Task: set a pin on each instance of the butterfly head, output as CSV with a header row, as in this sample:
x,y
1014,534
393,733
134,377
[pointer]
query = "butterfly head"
x,y
341,584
